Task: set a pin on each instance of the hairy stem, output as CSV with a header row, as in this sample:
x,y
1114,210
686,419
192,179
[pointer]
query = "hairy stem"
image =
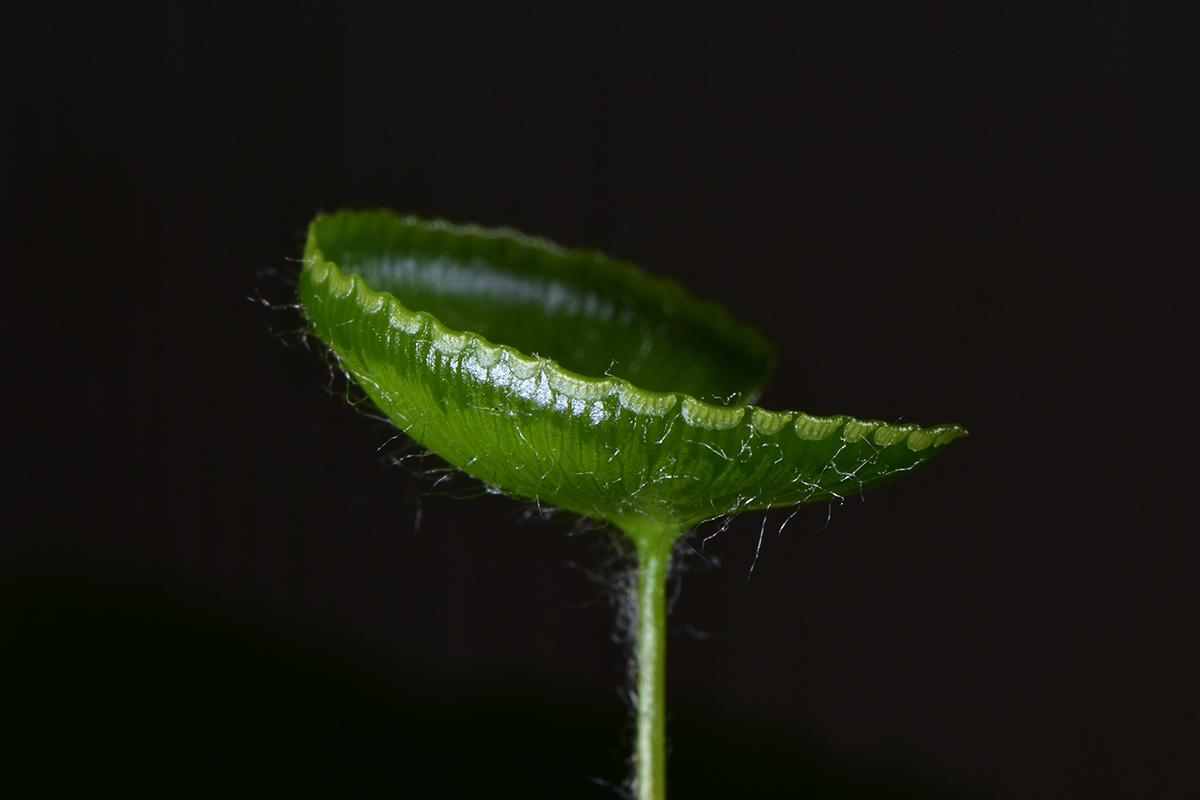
x,y
654,556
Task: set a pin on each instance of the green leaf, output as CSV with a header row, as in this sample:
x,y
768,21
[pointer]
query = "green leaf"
x,y
580,382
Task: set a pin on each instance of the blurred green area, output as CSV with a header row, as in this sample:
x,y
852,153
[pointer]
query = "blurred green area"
x,y
130,692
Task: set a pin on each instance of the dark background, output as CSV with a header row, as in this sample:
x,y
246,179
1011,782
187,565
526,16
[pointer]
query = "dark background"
x,y
211,585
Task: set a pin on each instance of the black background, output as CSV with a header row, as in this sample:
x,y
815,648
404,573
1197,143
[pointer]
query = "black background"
x,y
211,585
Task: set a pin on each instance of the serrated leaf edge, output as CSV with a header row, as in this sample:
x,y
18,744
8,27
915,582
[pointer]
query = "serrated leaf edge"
x,y
534,372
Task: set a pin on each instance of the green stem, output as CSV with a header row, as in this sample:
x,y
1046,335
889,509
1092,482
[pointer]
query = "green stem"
x,y
654,556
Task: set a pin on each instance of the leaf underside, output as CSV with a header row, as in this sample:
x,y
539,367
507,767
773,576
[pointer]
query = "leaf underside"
x,y
570,379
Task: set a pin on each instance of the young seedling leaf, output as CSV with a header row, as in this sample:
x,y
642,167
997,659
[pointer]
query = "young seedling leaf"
x,y
580,382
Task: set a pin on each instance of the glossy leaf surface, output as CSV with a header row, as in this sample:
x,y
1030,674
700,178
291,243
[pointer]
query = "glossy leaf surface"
x,y
574,380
